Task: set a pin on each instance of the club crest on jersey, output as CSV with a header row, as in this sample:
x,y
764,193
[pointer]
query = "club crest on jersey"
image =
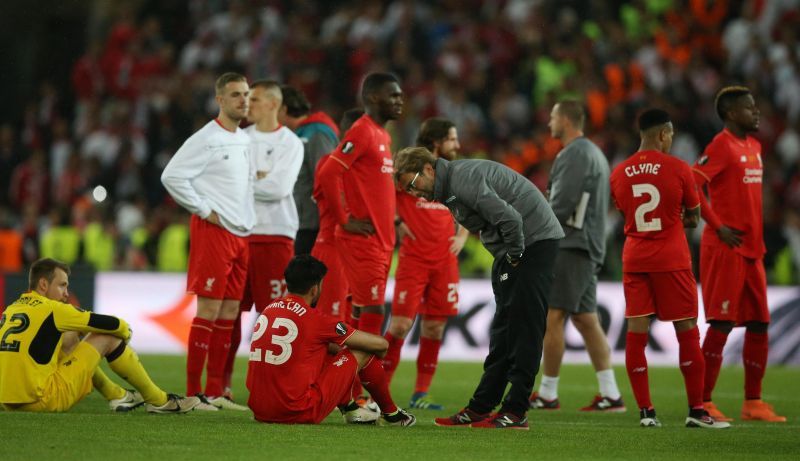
x,y
341,361
743,159
703,160
382,148
341,329
348,147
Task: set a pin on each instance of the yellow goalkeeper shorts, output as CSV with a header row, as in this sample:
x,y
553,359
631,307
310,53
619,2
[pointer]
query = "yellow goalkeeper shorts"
x,y
71,382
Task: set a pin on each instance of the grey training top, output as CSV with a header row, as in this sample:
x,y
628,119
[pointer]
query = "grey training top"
x,y
314,147
579,195
489,198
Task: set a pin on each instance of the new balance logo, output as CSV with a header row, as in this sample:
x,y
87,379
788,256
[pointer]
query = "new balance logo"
x,y
504,277
686,364
209,283
401,297
639,369
374,290
725,305
335,307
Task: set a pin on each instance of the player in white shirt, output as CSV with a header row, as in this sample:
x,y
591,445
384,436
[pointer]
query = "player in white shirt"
x,y
211,176
276,158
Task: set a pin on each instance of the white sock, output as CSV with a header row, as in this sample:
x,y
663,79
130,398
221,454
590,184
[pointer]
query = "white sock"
x,y
548,389
608,384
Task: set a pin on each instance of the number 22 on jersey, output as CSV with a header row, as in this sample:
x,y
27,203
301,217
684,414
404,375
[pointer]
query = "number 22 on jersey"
x,y
642,225
284,342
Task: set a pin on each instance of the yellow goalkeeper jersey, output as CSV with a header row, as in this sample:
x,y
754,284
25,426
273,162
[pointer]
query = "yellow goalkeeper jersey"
x,y
30,342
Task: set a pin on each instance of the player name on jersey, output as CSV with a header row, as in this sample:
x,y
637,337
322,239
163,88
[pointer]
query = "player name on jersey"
x,y
642,168
293,306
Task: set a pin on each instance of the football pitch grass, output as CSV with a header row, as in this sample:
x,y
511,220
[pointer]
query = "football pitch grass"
x,y
90,431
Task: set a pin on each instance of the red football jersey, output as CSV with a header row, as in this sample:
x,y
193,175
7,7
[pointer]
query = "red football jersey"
x,y
733,170
430,222
327,218
369,189
651,188
287,351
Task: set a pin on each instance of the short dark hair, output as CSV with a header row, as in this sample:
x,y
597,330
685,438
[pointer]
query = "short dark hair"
x,y
302,273
432,130
349,117
652,118
296,103
226,78
727,98
412,160
573,111
375,81
44,268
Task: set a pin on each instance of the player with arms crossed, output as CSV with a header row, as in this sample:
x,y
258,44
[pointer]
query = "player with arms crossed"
x,y
365,235
276,154
45,367
210,175
292,377
732,274
427,271
656,194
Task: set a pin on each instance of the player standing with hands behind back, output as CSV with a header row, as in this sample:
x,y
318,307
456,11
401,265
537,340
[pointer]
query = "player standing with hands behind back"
x,y
732,250
656,194
210,176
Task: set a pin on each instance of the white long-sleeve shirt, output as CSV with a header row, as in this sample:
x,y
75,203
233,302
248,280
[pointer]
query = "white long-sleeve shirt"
x,y
279,154
212,172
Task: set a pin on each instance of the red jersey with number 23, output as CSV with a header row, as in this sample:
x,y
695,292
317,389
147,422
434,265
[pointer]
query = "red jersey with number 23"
x,y
732,167
369,188
287,353
651,188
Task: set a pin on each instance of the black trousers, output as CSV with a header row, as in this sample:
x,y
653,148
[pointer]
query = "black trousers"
x,y
304,241
517,330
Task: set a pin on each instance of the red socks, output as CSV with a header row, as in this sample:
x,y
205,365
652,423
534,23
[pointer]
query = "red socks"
x,y
217,356
199,339
712,352
755,353
236,339
374,379
392,358
371,323
692,365
636,364
427,360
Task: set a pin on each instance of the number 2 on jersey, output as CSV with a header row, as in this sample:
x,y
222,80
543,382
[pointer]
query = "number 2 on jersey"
x,y
282,341
24,322
643,225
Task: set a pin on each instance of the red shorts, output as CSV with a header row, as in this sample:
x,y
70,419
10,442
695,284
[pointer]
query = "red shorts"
x,y
366,268
217,261
265,282
417,280
332,388
734,287
671,296
332,301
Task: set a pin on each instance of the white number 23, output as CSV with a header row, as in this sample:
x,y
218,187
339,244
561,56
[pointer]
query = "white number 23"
x,y
284,342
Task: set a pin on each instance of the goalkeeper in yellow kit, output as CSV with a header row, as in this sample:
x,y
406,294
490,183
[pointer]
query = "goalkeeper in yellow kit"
x,y
45,366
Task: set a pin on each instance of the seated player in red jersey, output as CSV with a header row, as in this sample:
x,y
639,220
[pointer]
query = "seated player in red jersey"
x,y
732,249
292,376
656,194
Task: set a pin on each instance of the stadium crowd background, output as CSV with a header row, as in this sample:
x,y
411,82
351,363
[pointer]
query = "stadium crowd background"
x,y
142,82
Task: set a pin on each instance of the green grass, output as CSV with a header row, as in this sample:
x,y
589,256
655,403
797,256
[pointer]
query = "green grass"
x,y
90,431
